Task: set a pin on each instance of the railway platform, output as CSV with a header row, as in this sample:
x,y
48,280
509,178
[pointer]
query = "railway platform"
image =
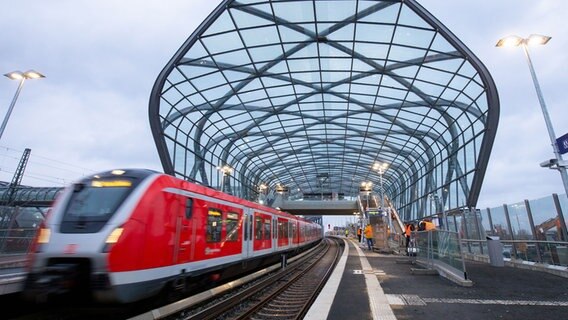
x,y
371,285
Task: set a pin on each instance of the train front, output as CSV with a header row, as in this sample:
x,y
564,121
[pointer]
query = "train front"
x,y
70,257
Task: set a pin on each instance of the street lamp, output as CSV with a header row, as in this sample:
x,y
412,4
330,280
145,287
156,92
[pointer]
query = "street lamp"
x,y
227,171
381,167
20,76
366,186
535,39
261,189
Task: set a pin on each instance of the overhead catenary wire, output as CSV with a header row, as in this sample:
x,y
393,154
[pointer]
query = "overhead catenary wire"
x,y
40,170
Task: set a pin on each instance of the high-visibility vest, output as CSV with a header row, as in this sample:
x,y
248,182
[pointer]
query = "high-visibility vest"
x,y
368,232
408,230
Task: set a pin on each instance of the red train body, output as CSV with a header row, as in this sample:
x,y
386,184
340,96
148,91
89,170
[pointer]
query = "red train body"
x,y
125,235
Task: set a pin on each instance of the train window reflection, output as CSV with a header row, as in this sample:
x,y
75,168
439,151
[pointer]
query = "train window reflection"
x,y
267,229
214,226
257,228
188,208
231,226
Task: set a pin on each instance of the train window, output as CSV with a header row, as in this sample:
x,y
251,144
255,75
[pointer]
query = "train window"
x,y
282,229
231,226
93,203
188,208
294,230
266,229
214,225
257,228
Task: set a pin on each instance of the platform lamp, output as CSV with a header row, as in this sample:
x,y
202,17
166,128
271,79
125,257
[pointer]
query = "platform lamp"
x,y
226,170
261,190
381,167
536,39
366,186
22,77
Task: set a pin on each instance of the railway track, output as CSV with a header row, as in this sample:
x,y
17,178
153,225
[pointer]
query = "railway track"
x,y
286,294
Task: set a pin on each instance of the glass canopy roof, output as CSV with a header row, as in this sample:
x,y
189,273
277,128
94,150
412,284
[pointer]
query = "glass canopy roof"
x,y
311,94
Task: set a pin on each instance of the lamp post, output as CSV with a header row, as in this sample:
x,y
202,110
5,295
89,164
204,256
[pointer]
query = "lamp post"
x,y
535,39
227,171
261,189
381,167
21,76
366,186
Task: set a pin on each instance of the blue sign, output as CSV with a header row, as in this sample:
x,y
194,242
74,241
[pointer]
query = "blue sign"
x,y
562,143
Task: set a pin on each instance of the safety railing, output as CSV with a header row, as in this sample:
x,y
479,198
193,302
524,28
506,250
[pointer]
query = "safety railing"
x,y
545,252
532,231
440,249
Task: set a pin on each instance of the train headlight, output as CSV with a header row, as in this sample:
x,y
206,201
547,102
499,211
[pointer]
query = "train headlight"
x,y
112,239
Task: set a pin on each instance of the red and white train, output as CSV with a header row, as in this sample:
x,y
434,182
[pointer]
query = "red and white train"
x,y
125,235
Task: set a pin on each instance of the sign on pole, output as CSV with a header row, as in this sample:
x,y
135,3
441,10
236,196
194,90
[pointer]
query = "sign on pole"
x,y
562,143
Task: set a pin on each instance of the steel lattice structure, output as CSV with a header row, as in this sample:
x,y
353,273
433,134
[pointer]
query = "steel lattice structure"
x,y
287,92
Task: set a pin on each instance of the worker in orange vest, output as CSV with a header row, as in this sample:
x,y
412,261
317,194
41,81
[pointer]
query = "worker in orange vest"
x,y
359,232
369,236
407,232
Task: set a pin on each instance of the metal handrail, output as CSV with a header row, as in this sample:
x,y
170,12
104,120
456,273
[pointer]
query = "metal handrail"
x,y
554,257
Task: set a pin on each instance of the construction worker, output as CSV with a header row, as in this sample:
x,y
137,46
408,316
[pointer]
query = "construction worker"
x,y
369,236
429,225
407,232
359,233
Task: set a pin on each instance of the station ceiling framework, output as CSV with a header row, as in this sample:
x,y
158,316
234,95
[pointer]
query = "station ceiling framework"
x,y
284,92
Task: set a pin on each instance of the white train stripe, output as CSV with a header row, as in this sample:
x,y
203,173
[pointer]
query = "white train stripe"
x,y
130,277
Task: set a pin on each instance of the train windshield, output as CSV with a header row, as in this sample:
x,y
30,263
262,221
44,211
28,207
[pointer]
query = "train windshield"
x,y
93,203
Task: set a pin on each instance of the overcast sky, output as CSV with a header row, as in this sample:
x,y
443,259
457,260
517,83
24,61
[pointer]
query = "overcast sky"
x,y
102,57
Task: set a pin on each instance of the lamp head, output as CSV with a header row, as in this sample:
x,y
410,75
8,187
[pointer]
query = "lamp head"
x,y
515,41
537,39
509,41
19,75
15,75
32,74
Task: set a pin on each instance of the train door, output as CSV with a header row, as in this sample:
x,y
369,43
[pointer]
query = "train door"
x,y
294,233
248,235
184,231
263,239
275,235
283,233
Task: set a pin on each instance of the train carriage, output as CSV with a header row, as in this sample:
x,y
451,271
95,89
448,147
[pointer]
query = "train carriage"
x,y
125,235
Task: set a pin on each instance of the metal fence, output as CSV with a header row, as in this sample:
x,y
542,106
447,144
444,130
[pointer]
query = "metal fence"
x,y
18,227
